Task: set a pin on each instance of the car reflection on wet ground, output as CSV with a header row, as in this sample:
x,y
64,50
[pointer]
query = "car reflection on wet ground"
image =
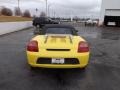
x,y
102,73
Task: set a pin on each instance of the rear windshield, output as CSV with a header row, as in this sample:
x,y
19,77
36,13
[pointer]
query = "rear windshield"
x,y
59,31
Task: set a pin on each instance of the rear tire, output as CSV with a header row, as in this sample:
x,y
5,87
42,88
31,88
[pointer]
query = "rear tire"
x,y
32,68
83,68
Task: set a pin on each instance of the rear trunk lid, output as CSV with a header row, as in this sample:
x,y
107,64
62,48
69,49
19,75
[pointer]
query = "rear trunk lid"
x,y
58,42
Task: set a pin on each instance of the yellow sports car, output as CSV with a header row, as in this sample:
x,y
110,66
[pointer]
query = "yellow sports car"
x,y
58,46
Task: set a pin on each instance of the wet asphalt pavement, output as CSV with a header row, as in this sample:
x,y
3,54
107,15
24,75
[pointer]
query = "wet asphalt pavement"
x,y
103,72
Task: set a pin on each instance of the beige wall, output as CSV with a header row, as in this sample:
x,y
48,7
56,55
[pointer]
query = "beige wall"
x,y
7,27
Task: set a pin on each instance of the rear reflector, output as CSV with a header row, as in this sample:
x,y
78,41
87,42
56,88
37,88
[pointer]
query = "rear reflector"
x,y
32,46
83,47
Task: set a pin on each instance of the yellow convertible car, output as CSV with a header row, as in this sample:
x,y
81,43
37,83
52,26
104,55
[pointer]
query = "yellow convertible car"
x,y
58,46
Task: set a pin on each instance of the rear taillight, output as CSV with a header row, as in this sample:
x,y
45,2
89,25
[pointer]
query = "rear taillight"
x,y
32,46
83,47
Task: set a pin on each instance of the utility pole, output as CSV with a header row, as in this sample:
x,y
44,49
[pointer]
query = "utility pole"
x,y
46,8
19,12
54,14
18,4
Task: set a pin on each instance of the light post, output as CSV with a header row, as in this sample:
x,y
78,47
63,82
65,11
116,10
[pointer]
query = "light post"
x,y
36,11
49,10
46,5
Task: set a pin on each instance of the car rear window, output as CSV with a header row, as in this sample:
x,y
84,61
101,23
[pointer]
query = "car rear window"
x,y
58,31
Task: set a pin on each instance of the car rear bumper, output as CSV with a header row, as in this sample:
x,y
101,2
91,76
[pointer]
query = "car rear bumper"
x,y
83,60
58,66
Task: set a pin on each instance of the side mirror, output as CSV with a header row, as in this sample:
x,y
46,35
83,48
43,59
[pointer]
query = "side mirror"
x,y
49,20
76,30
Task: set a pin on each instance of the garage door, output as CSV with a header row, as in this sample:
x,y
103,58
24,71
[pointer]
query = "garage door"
x,y
112,12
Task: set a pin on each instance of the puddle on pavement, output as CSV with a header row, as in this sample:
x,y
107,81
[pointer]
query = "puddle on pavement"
x,y
100,33
90,35
110,36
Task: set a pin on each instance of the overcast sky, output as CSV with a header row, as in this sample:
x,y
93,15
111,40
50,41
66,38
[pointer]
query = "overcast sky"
x,y
63,8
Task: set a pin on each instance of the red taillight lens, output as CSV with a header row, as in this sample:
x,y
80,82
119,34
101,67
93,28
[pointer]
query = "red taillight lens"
x,y
83,47
32,46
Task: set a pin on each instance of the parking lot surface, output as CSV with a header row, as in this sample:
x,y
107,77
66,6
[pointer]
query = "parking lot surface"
x,y
102,73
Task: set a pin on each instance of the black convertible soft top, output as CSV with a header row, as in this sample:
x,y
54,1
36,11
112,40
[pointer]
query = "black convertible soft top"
x,y
58,26
69,27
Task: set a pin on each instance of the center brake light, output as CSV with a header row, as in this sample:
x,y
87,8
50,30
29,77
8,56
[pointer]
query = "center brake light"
x,y
83,47
32,46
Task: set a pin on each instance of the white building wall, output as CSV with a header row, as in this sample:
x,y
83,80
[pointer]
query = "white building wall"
x,y
108,4
112,12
